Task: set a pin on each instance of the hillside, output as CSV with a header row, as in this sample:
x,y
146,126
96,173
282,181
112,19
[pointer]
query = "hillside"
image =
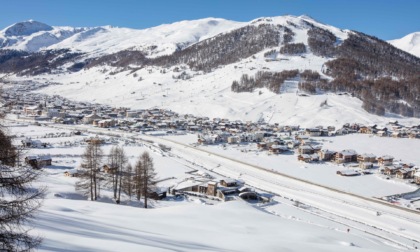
x,y
409,43
285,68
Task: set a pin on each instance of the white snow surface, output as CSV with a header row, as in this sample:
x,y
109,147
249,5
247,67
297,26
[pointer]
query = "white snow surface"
x,y
69,222
108,39
156,41
204,94
409,43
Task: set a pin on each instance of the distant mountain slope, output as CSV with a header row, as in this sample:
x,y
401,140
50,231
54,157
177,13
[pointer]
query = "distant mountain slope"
x,y
212,58
409,43
164,39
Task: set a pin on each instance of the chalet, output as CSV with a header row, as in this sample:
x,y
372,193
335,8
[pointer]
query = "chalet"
x,y
109,169
33,143
32,110
211,188
366,130
293,144
397,134
346,156
302,138
348,173
228,182
71,173
262,145
366,165
326,155
89,119
304,157
331,128
276,149
414,134
370,158
233,139
385,160
37,162
313,132
405,173
305,149
417,177
392,169
156,195
106,123
225,193
259,135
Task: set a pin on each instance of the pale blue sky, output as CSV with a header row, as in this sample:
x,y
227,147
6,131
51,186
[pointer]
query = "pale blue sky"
x,y
386,19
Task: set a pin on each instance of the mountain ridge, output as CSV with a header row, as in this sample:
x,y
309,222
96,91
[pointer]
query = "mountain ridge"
x,y
277,55
409,43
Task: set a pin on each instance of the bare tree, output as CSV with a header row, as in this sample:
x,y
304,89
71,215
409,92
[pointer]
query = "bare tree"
x,y
128,180
112,162
138,179
18,200
89,177
117,160
145,177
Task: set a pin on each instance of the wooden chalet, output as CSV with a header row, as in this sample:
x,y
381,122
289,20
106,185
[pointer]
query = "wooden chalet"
x,y
305,158
71,173
348,173
346,156
109,169
37,162
366,165
417,177
227,182
305,149
366,158
405,173
277,149
313,132
326,155
385,160
392,169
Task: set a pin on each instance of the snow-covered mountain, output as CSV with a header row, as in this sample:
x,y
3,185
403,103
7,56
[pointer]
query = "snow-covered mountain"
x,y
164,39
409,43
283,69
33,36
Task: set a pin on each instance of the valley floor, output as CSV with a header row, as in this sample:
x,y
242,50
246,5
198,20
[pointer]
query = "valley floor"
x,y
300,217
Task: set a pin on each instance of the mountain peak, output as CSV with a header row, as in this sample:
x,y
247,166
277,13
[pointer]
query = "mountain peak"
x,y
26,28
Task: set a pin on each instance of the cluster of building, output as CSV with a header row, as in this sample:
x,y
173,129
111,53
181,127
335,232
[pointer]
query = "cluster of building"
x,y
274,138
225,189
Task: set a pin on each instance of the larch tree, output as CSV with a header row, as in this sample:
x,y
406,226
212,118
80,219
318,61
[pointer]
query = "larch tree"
x,y
117,160
89,180
147,176
19,200
128,181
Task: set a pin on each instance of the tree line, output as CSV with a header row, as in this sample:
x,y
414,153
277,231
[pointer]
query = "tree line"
x,y
135,181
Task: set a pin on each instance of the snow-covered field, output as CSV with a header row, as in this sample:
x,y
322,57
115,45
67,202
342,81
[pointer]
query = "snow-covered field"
x,y
69,222
325,173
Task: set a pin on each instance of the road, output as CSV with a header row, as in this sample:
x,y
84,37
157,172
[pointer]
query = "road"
x,y
396,225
